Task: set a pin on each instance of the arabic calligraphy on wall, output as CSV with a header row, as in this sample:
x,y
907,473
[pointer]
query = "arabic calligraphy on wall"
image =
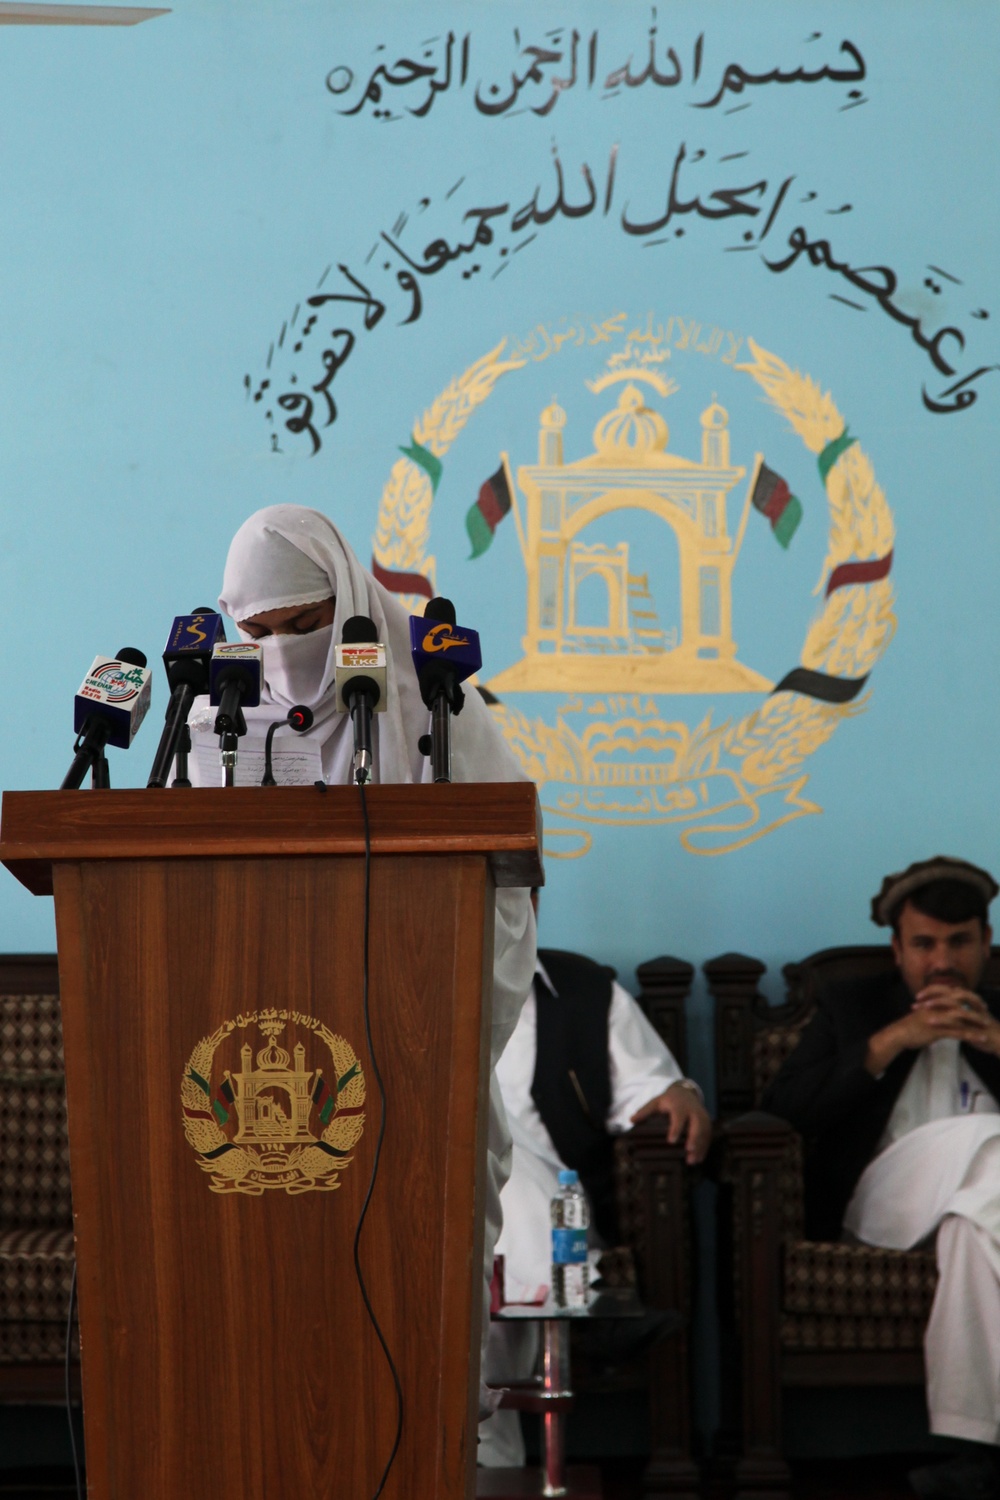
x,y
771,213
448,65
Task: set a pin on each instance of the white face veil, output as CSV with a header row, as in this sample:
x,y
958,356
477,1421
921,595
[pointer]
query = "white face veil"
x,y
287,555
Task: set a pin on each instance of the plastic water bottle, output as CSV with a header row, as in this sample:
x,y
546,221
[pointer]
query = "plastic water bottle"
x,y
570,1218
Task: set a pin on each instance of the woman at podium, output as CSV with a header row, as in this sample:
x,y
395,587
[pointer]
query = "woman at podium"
x,y
290,583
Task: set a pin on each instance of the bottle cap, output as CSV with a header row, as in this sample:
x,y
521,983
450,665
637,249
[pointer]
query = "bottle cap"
x,y
567,1177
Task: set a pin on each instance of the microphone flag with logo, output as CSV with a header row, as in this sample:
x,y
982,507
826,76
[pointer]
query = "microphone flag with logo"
x,y
187,658
444,654
234,683
111,704
117,690
361,686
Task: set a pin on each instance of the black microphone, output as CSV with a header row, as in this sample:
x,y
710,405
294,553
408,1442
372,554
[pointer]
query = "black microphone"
x,y
361,691
187,657
300,718
111,704
235,677
444,654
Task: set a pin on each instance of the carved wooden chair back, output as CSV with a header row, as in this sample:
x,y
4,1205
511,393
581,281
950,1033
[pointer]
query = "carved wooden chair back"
x,y
36,1216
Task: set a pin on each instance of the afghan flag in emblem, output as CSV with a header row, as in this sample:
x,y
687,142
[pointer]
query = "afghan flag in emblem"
x,y
323,1100
772,497
223,1102
489,510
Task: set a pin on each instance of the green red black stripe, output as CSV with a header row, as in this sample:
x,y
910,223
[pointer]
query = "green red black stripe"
x,y
426,460
772,497
770,492
832,452
323,1100
219,1151
872,570
821,685
402,583
223,1102
483,518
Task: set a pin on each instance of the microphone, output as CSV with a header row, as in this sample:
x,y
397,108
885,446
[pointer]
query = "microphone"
x,y
186,656
235,675
300,718
361,688
444,654
112,702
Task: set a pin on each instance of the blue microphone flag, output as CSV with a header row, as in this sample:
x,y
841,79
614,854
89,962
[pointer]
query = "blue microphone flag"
x,y
238,662
436,641
194,635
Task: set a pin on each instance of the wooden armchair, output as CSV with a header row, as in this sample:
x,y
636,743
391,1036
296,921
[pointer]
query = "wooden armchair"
x,y
653,1186
797,1312
36,1221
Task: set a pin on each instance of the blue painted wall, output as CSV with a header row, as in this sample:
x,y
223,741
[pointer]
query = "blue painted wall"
x,y
173,190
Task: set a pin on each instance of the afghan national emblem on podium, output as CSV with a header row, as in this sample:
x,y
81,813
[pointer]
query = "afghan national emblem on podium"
x,y
275,1117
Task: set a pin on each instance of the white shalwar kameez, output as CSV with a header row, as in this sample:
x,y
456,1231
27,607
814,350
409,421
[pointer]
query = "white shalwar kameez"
x,y
642,1067
939,1170
286,555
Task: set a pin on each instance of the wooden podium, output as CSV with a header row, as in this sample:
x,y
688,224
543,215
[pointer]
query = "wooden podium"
x,y
224,1118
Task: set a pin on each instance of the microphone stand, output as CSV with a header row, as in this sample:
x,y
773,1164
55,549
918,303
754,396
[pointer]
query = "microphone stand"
x,y
229,739
100,777
300,718
268,777
230,724
441,738
89,756
448,699
228,743
361,697
181,757
178,708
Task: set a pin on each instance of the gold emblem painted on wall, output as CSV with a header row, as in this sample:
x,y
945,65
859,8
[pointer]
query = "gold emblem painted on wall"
x,y
614,754
270,1119
631,468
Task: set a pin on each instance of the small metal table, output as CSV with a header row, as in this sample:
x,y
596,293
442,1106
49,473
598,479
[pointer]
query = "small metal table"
x,y
551,1395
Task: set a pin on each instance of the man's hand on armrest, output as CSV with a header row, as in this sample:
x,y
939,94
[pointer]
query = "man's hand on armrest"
x,y
688,1117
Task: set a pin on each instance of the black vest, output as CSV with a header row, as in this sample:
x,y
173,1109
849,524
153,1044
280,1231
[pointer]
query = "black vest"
x,y
572,1083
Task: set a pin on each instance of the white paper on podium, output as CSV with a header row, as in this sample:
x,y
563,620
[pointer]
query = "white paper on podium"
x,y
294,761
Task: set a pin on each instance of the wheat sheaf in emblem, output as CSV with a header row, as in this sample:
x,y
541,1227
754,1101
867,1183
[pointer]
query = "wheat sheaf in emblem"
x,y
615,754
263,1116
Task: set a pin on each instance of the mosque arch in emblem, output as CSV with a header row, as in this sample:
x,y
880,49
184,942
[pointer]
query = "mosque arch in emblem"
x,y
274,1100
571,645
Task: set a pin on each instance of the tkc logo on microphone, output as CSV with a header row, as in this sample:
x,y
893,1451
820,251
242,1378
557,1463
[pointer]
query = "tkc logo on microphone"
x,y
113,683
358,656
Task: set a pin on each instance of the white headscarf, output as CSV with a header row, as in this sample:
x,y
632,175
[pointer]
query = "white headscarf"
x,y
286,555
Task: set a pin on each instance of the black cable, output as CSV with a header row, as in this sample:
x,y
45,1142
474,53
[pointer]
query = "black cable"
x,y
69,1401
378,1153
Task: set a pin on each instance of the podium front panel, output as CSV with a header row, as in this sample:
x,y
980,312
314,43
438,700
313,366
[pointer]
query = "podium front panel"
x,y
224,1118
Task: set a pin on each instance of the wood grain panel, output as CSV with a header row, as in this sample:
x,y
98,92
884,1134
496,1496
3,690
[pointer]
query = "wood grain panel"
x,y
226,1348
499,819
